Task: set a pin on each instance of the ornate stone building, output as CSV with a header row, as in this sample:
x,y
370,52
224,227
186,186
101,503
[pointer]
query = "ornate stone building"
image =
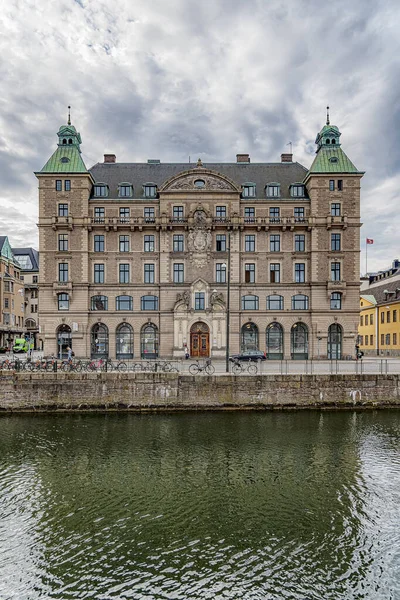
x,y
135,261
12,308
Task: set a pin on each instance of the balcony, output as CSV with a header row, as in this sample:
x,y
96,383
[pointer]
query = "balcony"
x,y
340,221
62,223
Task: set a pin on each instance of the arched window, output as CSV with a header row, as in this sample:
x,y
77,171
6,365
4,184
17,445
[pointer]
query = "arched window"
x,y
124,303
274,341
64,339
69,141
30,324
334,141
99,303
64,141
274,302
124,341
99,341
149,303
149,341
328,141
249,337
299,302
299,341
335,335
249,302
336,301
63,301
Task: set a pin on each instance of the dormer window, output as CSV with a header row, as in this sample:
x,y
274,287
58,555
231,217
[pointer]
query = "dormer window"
x,y
64,159
333,159
199,183
297,190
273,190
69,141
150,190
100,190
248,190
333,141
125,190
64,141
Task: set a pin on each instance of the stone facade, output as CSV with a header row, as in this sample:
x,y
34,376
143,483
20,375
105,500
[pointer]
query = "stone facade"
x,y
12,308
135,259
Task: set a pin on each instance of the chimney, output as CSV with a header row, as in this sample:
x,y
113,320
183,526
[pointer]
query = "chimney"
x,y
110,158
286,157
242,158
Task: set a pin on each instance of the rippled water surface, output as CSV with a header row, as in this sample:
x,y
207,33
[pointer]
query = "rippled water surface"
x,y
247,506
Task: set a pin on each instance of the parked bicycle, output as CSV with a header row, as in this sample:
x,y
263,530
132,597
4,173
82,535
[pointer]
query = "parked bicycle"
x,y
197,368
241,367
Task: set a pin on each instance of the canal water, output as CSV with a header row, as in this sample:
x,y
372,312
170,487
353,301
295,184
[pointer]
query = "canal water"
x,y
249,506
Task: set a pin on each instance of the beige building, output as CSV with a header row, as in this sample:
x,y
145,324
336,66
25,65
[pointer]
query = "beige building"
x,y
28,260
12,311
135,261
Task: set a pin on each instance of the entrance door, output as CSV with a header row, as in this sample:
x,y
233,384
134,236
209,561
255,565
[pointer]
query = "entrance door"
x,y
199,341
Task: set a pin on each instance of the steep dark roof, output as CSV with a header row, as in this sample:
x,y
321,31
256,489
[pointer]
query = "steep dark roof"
x,y
378,291
33,255
138,174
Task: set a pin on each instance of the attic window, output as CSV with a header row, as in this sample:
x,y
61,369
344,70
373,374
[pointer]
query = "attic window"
x,y
100,189
333,159
125,190
199,183
65,159
297,190
64,141
333,141
150,190
328,141
69,141
248,190
273,190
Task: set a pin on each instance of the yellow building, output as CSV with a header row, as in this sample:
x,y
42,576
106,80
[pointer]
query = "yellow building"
x,y
379,327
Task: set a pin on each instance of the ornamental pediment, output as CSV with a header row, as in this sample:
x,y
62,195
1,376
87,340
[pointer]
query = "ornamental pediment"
x,y
200,180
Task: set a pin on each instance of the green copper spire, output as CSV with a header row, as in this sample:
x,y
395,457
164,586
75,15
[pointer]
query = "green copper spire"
x,y
67,158
330,157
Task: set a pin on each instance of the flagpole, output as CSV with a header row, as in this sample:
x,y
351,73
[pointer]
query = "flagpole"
x,y
366,256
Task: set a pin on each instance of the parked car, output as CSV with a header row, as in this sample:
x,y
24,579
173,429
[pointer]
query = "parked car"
x,y
249,355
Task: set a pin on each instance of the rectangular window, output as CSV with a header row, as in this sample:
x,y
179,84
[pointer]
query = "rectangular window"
x,y
395,339
299,214
124,243
300,302
99,273
248,191
274,214
273,190
63,272
249,214
220,273
361,340
221,243
335,242
99,243
178,243
366,319
123,273
297,190
250,273
340,185
58,185
150,191
388,316
125,191
177,213
387,341
149,243
249,302
331,185
220,212
178,273
199,301
299,272
250,243
299,243
99,214
67,185
124,303
371,319
361,321
275,243
382,339
63,210
149,214
149,273
382,317
335,209
35,279
335,271
63,302
63,242
371,340
366,340
124,214
149,303
100,190
395,316
275,273
6,303
274,302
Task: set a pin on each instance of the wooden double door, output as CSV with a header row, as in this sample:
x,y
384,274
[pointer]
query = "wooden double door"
x,y
199,341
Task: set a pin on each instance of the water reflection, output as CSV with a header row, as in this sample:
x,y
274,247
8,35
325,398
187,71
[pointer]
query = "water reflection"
x,y
233,505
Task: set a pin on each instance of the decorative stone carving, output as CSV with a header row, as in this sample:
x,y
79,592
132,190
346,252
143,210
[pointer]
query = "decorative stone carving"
x,y
210,183
199,240
216,298
183,298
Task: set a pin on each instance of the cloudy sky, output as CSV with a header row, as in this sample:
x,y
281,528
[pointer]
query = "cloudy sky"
x,y
171,79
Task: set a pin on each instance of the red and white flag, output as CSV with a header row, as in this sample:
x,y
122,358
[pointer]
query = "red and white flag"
x,y
369,241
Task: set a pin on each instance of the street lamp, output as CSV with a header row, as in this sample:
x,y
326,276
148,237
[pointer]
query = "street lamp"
x,y
228,304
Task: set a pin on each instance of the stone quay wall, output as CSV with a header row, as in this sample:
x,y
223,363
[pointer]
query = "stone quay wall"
x,y
173,391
